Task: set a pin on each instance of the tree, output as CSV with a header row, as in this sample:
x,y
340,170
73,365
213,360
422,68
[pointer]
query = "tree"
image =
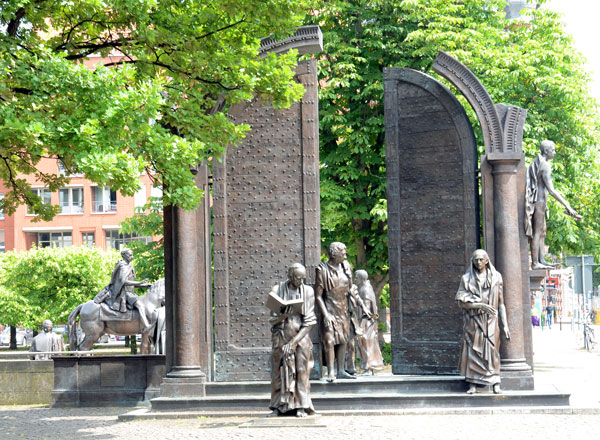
x,y
158,104
47,283
529,64
149,257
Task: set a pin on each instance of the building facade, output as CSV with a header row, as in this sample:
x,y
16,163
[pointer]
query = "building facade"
x,y
90,215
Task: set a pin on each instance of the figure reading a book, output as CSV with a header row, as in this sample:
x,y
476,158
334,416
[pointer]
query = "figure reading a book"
x,y
481,298
368,340
292,306
333,291
539,185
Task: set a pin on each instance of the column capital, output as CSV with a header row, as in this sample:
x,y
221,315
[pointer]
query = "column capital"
x,y
508,157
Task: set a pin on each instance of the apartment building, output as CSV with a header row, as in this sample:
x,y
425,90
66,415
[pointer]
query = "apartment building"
x,y
90,215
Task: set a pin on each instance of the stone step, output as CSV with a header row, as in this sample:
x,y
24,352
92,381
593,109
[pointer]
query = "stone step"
x,y
366,402
361,385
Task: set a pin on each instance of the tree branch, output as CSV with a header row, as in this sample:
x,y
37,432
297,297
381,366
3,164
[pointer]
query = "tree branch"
x,y
13,24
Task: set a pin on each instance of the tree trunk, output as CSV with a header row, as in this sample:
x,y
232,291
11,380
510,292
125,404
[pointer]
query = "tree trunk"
x,y
133,344
13,337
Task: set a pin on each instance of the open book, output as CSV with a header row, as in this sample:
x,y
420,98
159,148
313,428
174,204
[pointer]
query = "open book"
x,y
276,303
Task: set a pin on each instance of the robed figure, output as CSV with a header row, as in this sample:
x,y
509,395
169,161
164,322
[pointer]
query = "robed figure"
x,y
368,340
335,296
480,296
292,358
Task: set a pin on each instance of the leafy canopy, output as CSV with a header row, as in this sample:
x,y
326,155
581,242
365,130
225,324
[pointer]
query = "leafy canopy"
x,y
157,103
47,283
530,64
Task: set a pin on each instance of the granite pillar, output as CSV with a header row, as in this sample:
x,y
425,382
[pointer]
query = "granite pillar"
x,y
186,295
507,245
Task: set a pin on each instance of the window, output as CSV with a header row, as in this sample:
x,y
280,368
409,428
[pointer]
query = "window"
x,y
44,194
2,246
56,239
1,211
140,196
88,239
63,172
117,241
103,199
71,200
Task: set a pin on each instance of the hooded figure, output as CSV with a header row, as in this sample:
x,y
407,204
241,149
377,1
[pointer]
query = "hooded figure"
x,y
481,298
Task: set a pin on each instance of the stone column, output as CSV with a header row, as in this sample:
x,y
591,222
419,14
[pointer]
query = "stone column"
x,y
185,299
515,372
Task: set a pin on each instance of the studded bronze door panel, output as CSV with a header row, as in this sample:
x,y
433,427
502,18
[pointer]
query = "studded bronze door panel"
x,y
266,216
432,218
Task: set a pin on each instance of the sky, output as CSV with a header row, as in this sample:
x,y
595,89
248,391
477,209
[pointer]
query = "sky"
x,y
581,20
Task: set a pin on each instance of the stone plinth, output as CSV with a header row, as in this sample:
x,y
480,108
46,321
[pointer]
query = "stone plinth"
x,y
106,380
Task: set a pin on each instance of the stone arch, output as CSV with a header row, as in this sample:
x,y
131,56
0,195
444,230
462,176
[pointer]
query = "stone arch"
x,y
468,84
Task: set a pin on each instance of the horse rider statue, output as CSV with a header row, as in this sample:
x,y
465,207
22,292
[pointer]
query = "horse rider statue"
x,y
118,295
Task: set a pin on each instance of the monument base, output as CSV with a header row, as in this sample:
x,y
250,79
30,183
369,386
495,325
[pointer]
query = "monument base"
x,y
536,276
106,380
359,396
312,421
516,376
183,382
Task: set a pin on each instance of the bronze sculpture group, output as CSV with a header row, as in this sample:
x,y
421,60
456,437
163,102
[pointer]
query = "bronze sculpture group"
x,y
348,312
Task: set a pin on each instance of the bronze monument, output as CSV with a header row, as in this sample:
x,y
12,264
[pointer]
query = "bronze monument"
x,y
97,319
539,185
46,342
118,295
292,306
368,340
333,291
481,298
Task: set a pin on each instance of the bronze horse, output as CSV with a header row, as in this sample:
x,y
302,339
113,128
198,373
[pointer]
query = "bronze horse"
x,y
94,327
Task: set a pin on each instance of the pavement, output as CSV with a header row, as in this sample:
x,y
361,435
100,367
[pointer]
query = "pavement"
x,y
560,364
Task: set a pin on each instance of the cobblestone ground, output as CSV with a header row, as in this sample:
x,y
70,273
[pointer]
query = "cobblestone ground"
x,y
559,361
62,424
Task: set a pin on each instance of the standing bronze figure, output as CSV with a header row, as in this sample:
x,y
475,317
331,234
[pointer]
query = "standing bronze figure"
x,y
481,298
368,340
292,305
539,185
333,291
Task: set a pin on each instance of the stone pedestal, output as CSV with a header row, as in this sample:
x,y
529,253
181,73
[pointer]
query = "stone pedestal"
x,y
536,276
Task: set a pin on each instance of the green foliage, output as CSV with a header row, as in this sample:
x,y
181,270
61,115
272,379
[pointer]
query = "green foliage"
x,y
47,283
158,104
386,353
148,257
529,64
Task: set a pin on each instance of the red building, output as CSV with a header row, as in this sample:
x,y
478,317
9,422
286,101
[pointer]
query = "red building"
x,y
90,214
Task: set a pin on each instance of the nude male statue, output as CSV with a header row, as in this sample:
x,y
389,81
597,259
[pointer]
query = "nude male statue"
x,y
539,185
